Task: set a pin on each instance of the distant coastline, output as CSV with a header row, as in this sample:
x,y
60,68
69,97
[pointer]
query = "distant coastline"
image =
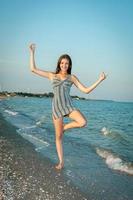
x,y
6,94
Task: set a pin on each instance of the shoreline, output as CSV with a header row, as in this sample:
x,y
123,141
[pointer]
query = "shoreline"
x,y
25,174
42,95
3,96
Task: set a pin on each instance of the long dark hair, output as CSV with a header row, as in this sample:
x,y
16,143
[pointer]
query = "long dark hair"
x,y
64,56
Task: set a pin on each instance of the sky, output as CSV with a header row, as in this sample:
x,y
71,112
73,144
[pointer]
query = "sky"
x,y
97,34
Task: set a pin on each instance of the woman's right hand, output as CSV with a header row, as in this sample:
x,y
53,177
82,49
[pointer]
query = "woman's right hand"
x,y
32,47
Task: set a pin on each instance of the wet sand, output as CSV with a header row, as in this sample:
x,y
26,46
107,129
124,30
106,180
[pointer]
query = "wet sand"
x,y
25,174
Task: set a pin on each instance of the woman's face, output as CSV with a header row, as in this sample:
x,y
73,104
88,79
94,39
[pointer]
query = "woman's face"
x,y
64,65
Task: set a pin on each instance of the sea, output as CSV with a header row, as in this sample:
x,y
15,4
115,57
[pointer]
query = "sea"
x,y
98,158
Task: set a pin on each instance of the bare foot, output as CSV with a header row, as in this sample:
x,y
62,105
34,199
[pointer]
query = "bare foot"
x,y
59,166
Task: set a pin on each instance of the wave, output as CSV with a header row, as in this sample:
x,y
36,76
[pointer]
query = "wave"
x,y
33,139
41,121
105,131
24,118
115,135
11,112
69,173
21,114
30,127
115,162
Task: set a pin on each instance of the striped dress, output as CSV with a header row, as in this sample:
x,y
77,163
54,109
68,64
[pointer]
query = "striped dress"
x,y
62,102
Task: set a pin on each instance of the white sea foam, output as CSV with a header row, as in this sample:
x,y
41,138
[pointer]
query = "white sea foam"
x,y
28,127
41,121
34,139
105,131
38,123
114,162
39,148
11,112
69,173
116,135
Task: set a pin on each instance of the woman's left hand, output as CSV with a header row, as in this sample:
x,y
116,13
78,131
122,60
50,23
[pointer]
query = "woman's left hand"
x,y
102,76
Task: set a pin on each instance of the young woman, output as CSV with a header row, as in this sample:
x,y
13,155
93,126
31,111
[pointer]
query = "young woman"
x,y
62,105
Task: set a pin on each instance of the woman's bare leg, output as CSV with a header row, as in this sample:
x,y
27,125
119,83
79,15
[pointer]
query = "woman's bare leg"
x,y
58,124
79,120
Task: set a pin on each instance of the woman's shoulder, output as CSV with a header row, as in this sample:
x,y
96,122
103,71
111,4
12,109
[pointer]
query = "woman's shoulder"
x,y
73,77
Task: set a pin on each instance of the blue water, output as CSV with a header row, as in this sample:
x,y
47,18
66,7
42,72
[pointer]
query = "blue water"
x,y
98,157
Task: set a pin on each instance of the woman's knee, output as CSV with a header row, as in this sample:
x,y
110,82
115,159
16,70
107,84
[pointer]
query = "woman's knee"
x,y
83,123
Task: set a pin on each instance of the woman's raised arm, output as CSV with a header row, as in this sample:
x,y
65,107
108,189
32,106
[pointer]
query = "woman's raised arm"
x,y
33,68
85,89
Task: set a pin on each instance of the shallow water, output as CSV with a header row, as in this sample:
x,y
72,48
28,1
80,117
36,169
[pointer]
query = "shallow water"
x,y
98,158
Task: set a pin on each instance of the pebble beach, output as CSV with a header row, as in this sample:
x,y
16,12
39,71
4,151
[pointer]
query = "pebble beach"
x,y
24,174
